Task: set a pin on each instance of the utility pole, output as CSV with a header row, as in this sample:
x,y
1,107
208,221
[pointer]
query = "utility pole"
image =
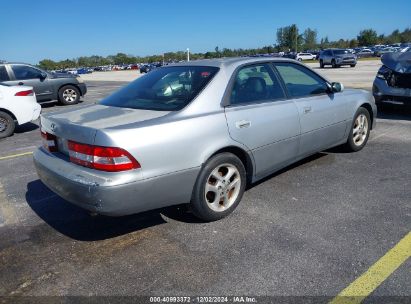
x,y
188,54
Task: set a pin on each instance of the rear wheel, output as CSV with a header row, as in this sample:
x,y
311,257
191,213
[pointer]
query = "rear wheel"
x,y
321,64
219,187
7,125
69,95
360,131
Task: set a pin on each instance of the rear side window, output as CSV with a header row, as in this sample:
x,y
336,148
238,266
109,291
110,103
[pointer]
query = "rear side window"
x,y
254,84
163,89
4,76
22,72
300,81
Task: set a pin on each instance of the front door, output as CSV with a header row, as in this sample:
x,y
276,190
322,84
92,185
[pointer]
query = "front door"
x,y
322,114
260,117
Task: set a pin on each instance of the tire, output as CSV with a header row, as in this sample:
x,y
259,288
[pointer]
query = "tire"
x,y
214,196
69,95
300,59
7,125
333,64
358,139
321,64
352,65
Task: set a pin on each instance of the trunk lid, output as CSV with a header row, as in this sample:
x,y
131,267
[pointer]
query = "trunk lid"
x,y
81,124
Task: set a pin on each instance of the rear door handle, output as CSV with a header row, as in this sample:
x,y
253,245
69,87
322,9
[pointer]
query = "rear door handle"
x,y
307,110
243,124
21,83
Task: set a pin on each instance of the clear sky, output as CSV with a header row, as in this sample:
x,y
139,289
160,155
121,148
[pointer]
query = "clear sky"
x,y
32,30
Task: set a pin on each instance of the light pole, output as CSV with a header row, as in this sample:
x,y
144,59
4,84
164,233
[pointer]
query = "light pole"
x,y
188,54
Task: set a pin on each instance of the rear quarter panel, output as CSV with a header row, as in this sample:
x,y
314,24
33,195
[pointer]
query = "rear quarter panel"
x,y
172,143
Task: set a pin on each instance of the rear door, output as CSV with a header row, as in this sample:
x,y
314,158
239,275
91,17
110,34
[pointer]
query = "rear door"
x,y
322,114
260,117
30,76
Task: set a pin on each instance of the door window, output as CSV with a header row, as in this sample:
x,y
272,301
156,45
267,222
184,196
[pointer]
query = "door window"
x,y
25,72
254,84
300,81
4,76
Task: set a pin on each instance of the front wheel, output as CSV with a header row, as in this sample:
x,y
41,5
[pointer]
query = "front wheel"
x,y
219,187
69,95
333,64
360,131
352,65
7,125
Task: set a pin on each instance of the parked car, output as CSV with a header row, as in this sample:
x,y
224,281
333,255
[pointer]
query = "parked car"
x,y
18,106
393,81
222,124
63,87
305,56
84,71
364,53
383,51
337,58
147,68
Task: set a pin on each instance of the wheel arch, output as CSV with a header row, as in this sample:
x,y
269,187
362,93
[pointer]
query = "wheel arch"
x,y
368,107
10,113
243,155
68,84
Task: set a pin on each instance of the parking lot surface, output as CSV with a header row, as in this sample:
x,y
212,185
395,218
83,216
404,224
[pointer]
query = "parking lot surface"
x,y
308,230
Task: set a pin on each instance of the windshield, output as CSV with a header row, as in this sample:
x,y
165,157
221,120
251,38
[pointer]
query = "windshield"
x,y
163,89
340,52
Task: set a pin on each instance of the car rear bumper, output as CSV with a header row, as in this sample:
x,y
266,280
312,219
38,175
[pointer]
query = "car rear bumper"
x,y
383,93
111,193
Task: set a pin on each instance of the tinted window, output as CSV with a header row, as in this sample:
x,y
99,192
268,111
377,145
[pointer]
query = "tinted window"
x,y
25,72
300,81
327,53
340,52
163,89
3,74
255,83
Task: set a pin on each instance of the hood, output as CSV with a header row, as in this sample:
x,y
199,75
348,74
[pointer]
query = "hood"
x,y
62,75
398,62
100,117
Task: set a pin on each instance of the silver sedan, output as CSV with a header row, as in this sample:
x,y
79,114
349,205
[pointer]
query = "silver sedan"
x,y
197,133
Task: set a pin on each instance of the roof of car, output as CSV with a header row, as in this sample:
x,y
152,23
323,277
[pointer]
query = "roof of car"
x,y
231,61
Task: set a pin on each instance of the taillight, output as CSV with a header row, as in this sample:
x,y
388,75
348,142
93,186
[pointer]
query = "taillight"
x,y
49,141
25,93
101,158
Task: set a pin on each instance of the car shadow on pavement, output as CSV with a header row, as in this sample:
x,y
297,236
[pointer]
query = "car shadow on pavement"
x,y
27,127
394,112
78,224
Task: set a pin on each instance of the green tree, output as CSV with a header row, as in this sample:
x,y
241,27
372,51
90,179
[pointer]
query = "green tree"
x,y
367,37
310,39
48,64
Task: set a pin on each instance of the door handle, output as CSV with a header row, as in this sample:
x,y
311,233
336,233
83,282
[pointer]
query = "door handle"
x,y
307,110
243,124
21,83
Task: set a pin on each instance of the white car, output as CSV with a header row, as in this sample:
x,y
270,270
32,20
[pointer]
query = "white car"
x,y
18,105
304,56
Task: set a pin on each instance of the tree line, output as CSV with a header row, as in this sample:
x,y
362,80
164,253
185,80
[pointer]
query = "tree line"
x,y
288,38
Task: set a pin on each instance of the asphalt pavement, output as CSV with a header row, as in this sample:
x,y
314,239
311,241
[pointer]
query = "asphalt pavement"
x,y
308,230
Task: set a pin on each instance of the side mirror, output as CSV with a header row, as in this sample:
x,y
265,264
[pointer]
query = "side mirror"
x,y
337,87
43,76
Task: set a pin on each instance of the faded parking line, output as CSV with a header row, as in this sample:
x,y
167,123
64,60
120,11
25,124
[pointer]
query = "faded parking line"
x,y
362,287
15,155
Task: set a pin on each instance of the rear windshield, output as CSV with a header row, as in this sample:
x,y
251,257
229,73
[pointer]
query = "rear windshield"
x,y
340,52
163,89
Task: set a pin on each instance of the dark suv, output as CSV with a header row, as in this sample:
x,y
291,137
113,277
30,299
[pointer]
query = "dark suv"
x,y
63,87
393,81
337,58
